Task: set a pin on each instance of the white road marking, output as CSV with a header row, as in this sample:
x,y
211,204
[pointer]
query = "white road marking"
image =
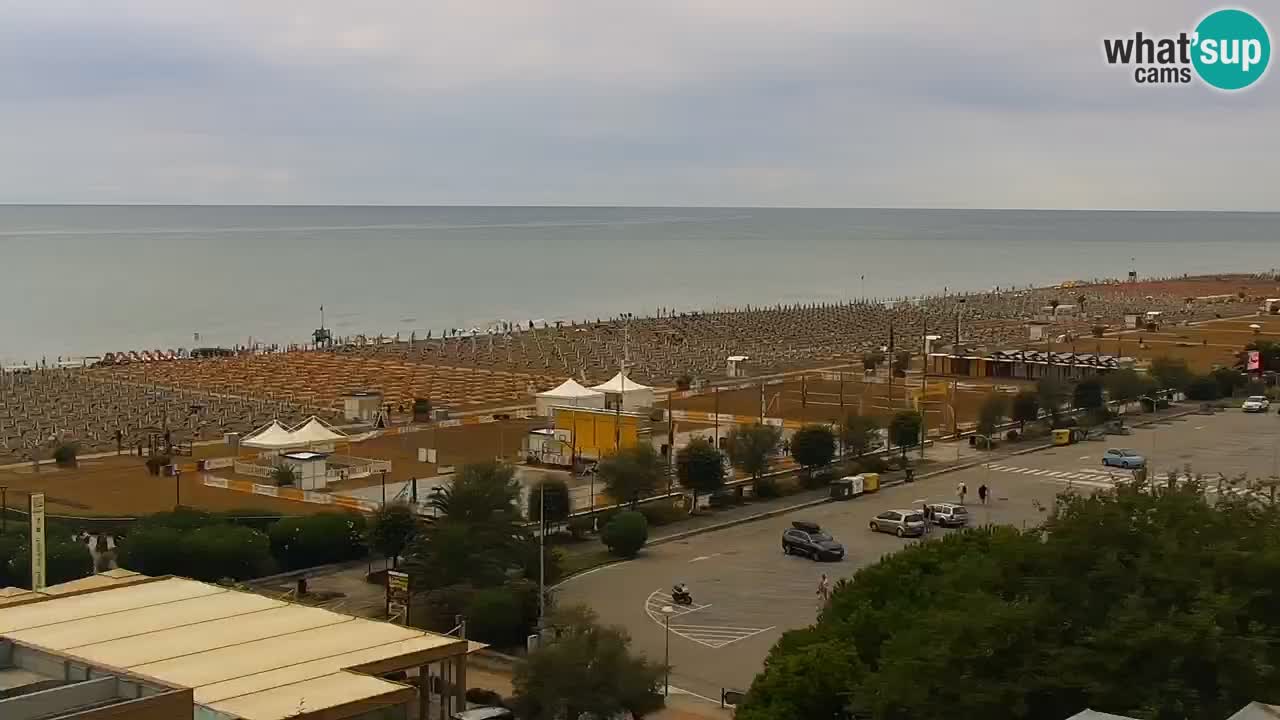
x,y
704,557
712,636
1085,457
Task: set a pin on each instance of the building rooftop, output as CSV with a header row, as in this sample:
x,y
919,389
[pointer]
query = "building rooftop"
x,y
246,655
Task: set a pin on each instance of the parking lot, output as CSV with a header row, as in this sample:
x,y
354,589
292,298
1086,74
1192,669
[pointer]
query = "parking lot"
x,y
747,592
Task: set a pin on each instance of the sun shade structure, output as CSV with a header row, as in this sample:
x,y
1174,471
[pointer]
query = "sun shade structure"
x,y
568,394
622,389
272,437
314,430
240,655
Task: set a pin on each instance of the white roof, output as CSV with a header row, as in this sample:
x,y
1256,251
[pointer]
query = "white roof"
x,y
620,383
273,437
569,389
314,431
243,654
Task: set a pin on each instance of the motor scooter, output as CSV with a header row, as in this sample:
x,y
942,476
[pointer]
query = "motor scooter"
x,y
681,597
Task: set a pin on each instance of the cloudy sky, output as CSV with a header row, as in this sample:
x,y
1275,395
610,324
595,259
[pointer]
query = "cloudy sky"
x,y
934,103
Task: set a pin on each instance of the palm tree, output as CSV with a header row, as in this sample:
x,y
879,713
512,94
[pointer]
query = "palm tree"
x,y
283,475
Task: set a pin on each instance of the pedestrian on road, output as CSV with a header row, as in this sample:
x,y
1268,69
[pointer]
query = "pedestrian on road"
x,y
824,588
961,491
928,517
982,493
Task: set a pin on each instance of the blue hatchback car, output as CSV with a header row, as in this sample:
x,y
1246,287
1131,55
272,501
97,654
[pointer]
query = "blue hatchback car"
x,y
1123,458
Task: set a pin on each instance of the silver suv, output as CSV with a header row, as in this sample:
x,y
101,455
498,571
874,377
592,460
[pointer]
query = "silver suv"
x,y
899,522
948,514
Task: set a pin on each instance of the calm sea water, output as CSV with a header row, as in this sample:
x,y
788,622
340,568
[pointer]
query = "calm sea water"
x,y
90,279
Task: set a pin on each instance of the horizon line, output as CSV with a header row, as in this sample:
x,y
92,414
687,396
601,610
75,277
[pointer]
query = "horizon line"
x,y
631,207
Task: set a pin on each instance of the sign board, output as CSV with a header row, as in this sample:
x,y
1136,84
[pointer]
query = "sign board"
x,y
36,509
1254,360
398,595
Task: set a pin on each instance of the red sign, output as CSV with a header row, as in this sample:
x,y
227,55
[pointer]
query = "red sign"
x,y
1254,362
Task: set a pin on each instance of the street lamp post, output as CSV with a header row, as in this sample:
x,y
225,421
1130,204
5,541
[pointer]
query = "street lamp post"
x,y
4,509
177,488
666,654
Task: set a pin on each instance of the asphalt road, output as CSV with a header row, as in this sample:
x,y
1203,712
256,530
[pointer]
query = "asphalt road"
x,y
746,592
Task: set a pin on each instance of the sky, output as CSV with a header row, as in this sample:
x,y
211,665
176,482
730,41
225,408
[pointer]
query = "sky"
x,y
832,103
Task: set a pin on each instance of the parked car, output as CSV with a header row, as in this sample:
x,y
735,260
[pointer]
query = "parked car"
x,y
899,522
1256,403
807,539
949,514
1123,458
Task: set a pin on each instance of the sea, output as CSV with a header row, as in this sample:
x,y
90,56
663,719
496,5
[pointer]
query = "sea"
x,y
84,280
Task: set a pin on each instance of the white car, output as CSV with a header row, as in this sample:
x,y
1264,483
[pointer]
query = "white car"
x,y
1255,403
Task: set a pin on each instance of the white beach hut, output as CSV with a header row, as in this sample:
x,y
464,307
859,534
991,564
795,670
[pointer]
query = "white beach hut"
x,y
622,389
568,394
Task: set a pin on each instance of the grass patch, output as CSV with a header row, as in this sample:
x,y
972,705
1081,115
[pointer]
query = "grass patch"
x,y
576,562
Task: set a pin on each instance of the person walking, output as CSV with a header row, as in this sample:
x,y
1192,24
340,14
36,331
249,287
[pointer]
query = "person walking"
x,y
824,589
928,517
982,493
961,491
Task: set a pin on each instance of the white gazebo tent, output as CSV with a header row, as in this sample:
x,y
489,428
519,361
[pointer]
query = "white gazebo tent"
x,y
273,436
629,393
568,394
314,433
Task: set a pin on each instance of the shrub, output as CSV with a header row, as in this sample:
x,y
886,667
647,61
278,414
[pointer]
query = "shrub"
x,y
212,552
626,534
65,455
1202,388
580,526
318,539
156,462
284,476
766,488
872,464
481,696
661,512
65,560
556,492
495,616
1011,436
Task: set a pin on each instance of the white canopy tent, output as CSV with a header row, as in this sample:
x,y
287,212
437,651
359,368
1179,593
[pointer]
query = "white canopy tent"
x,y
568,394
632,394
273,436
314,431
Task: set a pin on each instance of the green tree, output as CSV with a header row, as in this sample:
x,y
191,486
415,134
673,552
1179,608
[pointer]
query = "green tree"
x,y
904,430
495,616
901,362
479,492
587,670
1026,408
632,473
1126,385
208,552
65,455
991,413
700,467
394,526
1202,388
625,533
1228,380
1171,373
750,447
813,446
320,539
859,434
1051,393
1135,603
1087,394
557,501
65,560
872,360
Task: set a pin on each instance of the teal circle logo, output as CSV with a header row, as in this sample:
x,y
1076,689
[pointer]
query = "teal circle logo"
x,y
1232,49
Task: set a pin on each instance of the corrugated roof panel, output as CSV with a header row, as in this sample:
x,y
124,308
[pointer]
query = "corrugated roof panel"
x,y
304,697
195,641
97,604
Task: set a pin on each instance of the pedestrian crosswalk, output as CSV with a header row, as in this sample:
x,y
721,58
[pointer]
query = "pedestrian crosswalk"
x,y
1106,478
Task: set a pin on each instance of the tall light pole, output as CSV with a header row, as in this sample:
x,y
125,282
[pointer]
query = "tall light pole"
x,y
666,654
4,509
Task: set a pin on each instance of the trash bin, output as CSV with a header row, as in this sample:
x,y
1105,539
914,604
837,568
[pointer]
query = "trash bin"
x,y
870,482
1062,436
841,489
911,475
